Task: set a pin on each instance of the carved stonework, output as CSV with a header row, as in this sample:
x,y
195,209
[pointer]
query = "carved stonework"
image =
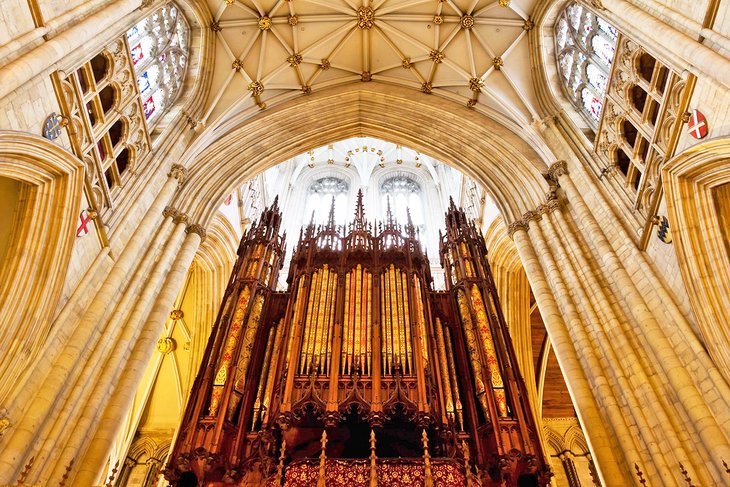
x,y
179,218
556,169
365,17
179,172
436,56
197,229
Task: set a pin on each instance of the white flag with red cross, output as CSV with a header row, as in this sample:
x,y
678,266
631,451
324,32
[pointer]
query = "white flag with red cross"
x,y
85,221
697,125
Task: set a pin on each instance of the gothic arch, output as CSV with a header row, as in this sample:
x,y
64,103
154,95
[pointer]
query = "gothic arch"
x,y
700,235
508,167
52,180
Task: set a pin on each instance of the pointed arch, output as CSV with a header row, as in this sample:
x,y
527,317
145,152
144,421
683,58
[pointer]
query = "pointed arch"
x,y
696,183
51,184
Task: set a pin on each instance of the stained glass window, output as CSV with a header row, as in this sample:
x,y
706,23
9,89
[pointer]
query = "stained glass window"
x,y
159,48
319,199
585,46
404,195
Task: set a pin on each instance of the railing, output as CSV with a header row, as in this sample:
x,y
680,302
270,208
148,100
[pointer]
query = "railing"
x,y
395,472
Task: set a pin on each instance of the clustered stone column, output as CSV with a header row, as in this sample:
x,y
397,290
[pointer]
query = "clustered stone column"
x,y
646,393
73,402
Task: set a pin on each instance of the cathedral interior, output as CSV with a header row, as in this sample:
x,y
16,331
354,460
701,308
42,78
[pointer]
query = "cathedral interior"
x,y
365,243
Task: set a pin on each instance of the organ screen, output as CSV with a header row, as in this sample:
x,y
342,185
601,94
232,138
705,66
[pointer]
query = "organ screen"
x,y
360,373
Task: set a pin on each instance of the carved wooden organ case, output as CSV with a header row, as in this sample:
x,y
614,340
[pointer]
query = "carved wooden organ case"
x,y
359,359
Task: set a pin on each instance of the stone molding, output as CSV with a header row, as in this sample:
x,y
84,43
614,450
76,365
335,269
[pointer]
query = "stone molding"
x,y
197,229
551,204
179,172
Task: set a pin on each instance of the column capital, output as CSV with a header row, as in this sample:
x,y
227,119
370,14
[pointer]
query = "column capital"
x,y
556,169
180,217
179,172
170,212
551,204
517,225
197,229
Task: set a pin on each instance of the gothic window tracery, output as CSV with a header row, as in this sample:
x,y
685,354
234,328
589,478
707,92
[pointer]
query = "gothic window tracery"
x,y
159,48
319,199
405,195
586,45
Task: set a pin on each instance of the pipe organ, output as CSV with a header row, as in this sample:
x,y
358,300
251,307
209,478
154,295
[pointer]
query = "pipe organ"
x,y
360,373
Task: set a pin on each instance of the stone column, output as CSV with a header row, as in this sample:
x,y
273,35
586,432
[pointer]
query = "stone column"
x,y
581,390
53,378
123,396
122,335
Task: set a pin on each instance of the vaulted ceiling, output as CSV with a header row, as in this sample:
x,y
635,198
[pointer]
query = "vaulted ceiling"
x,y
472,51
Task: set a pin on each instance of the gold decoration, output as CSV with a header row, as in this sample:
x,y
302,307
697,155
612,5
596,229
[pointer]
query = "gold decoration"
x,y
176,314
406,63
497,62
325,64
504,3
306,89
473,351
294,59
438,20
426,88
165,345
215,26
475,84
528,25
264,23
256,88
293,20
471,103
237,64
467,22
366,76
229,2
436,56
365,17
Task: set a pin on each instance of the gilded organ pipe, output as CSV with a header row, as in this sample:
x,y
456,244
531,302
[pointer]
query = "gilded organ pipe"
x,y
454,381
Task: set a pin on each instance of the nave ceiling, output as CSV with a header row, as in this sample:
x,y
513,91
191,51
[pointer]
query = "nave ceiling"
x,y
474,52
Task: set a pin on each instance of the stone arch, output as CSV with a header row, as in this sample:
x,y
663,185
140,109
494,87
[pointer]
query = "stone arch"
x,y
508,167
694,181
52,182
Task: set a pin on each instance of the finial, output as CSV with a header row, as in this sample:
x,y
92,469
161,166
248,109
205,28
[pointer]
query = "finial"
x,y
359,209
409,223
373,464
275,205
322,460
331,218
389,213
452,205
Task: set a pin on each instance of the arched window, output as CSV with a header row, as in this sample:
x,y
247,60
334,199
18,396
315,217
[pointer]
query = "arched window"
x,y
319,199
404,194
159,48
585,47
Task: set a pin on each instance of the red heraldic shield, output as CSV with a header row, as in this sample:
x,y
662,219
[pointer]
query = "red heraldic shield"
x,y
697,125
